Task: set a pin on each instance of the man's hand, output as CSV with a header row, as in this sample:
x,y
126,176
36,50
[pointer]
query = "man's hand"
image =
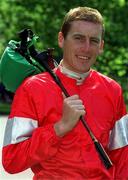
x,y
73,108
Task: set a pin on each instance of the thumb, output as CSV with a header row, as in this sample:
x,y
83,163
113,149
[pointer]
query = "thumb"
x,y
63,95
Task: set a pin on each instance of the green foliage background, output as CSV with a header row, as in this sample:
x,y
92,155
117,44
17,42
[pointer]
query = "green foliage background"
x,y
44,17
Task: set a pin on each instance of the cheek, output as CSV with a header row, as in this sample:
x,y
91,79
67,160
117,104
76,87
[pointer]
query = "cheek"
x,y
95,51
69,49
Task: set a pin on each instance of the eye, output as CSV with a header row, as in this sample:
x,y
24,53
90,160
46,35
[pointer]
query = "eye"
x,y
79,38
95,40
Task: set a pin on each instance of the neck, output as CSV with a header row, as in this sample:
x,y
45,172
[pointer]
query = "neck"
x,y
80,77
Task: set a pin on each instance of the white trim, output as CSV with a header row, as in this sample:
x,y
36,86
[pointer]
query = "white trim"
x,y
119,134
18,129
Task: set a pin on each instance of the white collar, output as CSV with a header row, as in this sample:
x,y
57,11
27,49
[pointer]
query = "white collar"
x,y
80,77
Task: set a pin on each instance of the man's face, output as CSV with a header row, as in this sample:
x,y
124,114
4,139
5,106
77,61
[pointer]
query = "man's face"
x,y
81,46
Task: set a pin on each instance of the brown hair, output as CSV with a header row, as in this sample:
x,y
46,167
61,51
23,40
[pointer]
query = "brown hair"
x,y
84,14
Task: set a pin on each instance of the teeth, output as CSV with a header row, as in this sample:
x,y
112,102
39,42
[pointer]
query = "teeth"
x,y
83,57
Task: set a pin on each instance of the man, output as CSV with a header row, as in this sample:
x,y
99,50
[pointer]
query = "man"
x,y
44,132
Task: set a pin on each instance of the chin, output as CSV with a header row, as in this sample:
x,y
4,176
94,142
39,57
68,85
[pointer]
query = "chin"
x,y
83,70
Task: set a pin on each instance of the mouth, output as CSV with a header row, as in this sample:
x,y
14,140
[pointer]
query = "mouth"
x,y
85,58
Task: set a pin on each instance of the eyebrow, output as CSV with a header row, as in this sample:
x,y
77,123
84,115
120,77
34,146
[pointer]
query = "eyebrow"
x,y
78,34
83,36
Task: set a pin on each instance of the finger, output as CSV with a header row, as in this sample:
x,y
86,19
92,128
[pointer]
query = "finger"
x,y
79,107
82,112
63,95
73,97
74,102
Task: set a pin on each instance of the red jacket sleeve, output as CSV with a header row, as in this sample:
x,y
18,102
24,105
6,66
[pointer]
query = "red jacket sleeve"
x,y
40,145
120,161
119,156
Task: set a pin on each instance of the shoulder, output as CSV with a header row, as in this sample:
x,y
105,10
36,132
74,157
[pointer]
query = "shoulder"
x,y
39,79
37,83
110,83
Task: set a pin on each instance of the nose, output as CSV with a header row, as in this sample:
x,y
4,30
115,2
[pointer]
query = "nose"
x,y
85,46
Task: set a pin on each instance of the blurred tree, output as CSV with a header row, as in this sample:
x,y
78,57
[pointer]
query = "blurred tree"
x,y
44,17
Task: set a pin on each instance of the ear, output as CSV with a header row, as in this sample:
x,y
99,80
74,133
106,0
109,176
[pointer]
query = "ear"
x,y
101,47
60,39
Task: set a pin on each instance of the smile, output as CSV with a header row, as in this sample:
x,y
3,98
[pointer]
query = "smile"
x,y
83,57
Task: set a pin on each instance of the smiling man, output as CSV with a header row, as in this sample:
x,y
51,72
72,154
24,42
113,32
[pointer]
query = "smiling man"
x,y
43,130
81,46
